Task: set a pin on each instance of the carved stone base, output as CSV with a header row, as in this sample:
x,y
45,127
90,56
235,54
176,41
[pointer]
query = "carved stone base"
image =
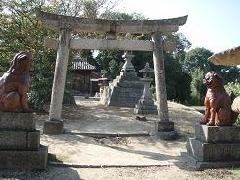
x,y
53,127
215,146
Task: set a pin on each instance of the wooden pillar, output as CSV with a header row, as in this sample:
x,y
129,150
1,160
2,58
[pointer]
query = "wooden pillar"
x,y
55,125
165,127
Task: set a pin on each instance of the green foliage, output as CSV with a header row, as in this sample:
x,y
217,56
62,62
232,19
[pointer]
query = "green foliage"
x,y
197,58
110,63
82,8
140,59
197,87
122,16
90,9
230,74
41,84
233,87
88,54
182,44
21,31
177,81
196,64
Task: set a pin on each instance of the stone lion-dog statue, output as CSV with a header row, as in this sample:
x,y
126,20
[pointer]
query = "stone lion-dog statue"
x,y
217,102
14,84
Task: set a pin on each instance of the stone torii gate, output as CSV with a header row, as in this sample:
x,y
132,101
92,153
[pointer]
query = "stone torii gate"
x,y
67,25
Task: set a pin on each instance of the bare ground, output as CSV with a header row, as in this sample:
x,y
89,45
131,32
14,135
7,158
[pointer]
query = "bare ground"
x,y
89,116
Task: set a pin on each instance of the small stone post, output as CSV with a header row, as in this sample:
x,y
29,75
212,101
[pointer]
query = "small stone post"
x,y
165,127
55,125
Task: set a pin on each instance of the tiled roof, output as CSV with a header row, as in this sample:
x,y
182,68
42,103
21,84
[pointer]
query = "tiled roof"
x,y
82,64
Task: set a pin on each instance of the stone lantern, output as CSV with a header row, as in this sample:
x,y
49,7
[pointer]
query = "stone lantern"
x,y
146,104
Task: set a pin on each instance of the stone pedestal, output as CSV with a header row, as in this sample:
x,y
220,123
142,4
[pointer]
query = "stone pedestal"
x,y
20,142
166,131
214,146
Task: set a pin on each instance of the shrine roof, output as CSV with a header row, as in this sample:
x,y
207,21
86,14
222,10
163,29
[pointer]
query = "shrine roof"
x,y
229,57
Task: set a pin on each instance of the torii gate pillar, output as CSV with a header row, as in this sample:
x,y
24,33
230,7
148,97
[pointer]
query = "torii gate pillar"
x,y
165,128
55,125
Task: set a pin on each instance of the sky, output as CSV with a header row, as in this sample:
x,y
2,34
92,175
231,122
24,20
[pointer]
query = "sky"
x,y
212,24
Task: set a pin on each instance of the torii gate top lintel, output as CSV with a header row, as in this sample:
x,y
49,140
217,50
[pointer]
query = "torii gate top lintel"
x,y
78,24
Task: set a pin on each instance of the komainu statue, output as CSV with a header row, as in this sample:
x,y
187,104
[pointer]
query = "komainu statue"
x,y
217,102
14,84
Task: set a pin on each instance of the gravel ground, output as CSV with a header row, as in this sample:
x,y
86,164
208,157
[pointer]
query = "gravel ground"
x,y
162,173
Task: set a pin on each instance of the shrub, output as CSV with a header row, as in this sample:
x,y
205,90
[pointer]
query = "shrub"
x,y
234,87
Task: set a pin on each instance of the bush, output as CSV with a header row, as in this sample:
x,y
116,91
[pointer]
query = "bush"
x,y
233,88
198,89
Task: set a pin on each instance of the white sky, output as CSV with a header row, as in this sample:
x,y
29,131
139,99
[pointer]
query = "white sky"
x,y
213,24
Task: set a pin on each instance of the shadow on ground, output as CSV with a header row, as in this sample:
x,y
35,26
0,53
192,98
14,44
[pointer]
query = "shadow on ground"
x,y
51,173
